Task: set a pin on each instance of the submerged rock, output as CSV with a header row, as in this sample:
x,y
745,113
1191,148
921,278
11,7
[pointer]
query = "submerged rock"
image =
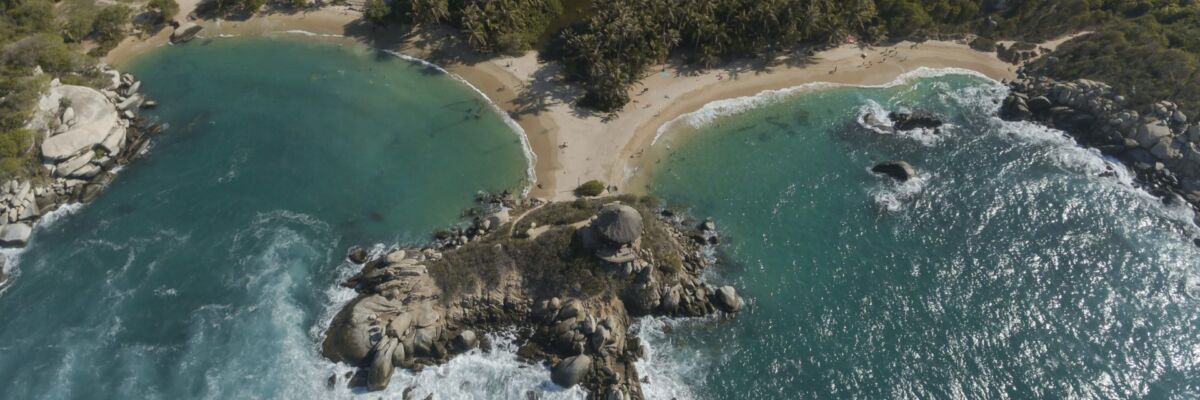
x,y
874,123
898,170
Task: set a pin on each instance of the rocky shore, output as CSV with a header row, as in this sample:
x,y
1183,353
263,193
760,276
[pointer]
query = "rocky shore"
x,y
567,277
84,134
1159,143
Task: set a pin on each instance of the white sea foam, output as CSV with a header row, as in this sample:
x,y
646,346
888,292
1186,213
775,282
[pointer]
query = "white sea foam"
x,y
12,257
312,34
892,196
924,136
497,374
728,107
664,370
66,209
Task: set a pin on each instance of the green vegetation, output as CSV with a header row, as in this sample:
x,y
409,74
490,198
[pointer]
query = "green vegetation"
x,y
164,10
490,26
1145,48
239,8
590,189
615,47
1152,56
32,37
553,263
109,27
565,213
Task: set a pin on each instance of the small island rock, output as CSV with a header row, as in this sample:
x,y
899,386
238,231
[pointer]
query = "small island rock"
x,y
914,120
898,170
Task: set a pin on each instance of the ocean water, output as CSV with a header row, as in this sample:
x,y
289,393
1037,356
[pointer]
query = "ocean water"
x,y
1018,265
209,269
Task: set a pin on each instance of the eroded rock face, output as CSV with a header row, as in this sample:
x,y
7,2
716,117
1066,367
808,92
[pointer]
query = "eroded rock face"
x,y
419,307
1156,141
94,120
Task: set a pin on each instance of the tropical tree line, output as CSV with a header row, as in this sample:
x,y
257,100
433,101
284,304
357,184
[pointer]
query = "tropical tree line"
x,y
614,47
489,25
613,43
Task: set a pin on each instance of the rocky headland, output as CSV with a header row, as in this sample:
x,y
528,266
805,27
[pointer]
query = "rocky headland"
x,y
569,278
1157,142
83,134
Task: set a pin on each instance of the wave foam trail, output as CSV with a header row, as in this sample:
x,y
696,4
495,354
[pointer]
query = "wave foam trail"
x,y
715,110
497,374
926,137
892,196
663,370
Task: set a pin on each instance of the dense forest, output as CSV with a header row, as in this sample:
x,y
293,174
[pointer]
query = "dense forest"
x,y
1148,49
1144,47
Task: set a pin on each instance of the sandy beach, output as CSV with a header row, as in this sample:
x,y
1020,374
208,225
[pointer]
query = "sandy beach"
x,y
573,145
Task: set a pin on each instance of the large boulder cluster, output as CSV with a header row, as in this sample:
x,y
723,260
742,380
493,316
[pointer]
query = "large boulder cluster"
x,y
406,315
84,133
1160,143
396,321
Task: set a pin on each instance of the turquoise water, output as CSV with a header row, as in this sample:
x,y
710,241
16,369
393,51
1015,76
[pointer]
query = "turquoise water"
x,y
1011,269
208,269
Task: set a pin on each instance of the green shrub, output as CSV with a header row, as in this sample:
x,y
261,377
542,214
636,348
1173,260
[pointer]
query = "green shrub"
x,y
110,22
377,11
983,44
590,188
13,155
164,10
80,20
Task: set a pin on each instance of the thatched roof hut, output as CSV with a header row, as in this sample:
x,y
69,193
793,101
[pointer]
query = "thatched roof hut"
x,y
619,223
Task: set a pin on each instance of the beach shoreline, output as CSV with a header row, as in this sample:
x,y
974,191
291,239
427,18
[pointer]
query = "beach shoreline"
x,y
572,145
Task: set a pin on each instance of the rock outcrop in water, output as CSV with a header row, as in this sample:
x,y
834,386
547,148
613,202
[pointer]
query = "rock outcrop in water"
x,y
898,170
1159,143
85,134
542,275
903,121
